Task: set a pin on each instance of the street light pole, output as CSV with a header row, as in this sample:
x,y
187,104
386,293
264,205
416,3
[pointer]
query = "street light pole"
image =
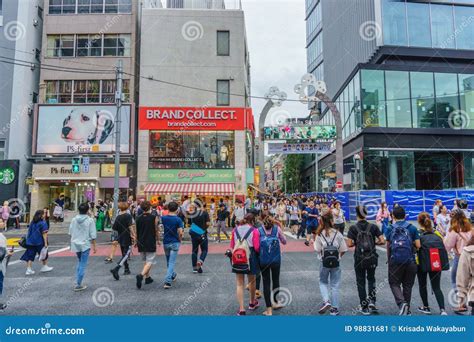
x,y
118,102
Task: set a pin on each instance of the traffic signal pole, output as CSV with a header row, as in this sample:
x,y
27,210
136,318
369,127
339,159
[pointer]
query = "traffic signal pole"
x,y
118,102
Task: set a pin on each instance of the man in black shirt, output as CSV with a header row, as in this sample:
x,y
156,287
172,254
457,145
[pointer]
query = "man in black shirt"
x,y
364,236
222,216
125,233
199,222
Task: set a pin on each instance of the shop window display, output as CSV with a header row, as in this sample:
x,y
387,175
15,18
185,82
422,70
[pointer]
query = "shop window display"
x,y
191,150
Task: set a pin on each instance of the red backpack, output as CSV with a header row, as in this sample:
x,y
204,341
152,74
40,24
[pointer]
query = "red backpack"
x,y
241,253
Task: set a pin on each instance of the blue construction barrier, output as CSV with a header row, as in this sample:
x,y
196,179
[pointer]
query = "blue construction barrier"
x,y
414,201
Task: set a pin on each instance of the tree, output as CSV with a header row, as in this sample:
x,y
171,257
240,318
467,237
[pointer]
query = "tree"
x,y
292,172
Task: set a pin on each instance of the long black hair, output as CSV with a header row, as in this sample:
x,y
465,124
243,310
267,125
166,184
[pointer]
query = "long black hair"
x,y
38,216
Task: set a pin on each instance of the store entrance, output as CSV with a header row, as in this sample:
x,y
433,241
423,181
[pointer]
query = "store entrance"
x,y
74,194
436,171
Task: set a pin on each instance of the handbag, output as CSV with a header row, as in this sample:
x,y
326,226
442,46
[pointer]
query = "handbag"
x,y
22,242
196,229
43,254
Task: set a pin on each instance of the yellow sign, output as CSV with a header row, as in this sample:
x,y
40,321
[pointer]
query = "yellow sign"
x,y
108,170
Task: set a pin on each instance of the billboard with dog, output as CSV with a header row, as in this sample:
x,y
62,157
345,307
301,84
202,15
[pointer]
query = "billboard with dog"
x,y
82,129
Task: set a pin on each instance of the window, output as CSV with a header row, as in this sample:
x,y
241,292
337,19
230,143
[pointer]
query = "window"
x,y
398,99
423,100
89,6
88,45
394,22
223,43
191,150
314,20
442,26
84,91
60,46
315,49
223,92
116,45
466,91
1,7
419,33
464,27
447,99
373,98
62,6
2,142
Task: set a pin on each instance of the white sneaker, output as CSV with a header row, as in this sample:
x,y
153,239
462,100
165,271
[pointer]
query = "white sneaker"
x,y
29,271
46,268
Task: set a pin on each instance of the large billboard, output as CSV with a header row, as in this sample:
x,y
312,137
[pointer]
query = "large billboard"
x,y
299,132
196,118
296,148
81,129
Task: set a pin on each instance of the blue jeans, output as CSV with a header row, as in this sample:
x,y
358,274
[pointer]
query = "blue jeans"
x,y
1,283
171,252
454,270
329,280
81,265
198,241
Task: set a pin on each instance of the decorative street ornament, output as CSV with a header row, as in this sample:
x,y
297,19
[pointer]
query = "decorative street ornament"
x,y
303,89
276,96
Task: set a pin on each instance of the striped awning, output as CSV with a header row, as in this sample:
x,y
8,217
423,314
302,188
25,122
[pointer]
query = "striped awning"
x,y
207,189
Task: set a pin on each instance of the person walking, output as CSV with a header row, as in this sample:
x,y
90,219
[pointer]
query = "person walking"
x,y
271,236
403,240
199,222
222,215
245,246
124,229
432,260
295,217
36,240
83,234
383,217
148,236
465,276
339,219
4,255
312,222
364,236
5,214
330,247
173,230
459,233
443,220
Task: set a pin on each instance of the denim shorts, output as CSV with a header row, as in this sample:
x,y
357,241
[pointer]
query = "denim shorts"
x,y
149,257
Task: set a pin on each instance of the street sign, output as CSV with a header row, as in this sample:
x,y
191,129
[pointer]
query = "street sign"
x,y
338,185
85,164
299,148
76,165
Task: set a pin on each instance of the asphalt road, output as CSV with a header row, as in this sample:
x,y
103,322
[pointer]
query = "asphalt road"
x,y
210,293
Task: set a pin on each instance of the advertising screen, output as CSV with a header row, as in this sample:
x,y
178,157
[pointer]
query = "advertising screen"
x,y
81,129
299,132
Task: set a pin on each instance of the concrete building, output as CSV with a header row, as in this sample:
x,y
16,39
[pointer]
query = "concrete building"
x,y
196,129
21,24
82,43
401,74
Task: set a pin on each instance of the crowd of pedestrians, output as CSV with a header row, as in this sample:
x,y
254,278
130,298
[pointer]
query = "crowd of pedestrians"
x,y
439,241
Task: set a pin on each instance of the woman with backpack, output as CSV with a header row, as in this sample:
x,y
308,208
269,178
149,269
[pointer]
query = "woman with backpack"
x,y
271,236
245,245
330,246
465,276
432,260
456,239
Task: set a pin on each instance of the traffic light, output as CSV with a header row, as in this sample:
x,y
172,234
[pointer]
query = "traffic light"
x,y
76,165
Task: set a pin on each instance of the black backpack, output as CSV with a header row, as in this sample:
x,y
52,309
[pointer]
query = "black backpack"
x,y
330,253
365,254
432,255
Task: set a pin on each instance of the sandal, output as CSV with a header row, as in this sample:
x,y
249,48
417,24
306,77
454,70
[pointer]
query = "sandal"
x,y
108,260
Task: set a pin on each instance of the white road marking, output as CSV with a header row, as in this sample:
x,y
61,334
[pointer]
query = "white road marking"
x,y
50,253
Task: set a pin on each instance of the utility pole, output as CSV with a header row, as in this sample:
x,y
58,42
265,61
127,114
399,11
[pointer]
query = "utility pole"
x,y
118,102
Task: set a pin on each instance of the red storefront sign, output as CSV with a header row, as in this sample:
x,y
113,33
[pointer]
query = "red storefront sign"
x,y
195,119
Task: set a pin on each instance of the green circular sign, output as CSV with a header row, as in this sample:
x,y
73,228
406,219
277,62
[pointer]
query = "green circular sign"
x,y
7,175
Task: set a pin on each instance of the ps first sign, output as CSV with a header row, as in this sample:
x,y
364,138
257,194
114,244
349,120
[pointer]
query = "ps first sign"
x,y
195,118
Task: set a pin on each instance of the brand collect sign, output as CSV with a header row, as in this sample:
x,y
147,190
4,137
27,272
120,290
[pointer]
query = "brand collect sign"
x,y
192,118
191,176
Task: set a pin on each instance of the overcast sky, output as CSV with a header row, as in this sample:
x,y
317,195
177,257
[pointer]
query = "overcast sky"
x,y
276,34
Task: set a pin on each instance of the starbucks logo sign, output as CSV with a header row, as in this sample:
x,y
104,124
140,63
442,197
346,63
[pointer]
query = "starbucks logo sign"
x,y
7,175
